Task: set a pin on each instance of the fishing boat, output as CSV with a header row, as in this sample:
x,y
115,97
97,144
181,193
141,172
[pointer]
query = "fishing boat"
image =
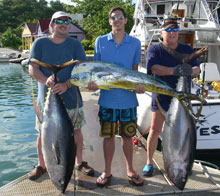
x,y
4,57
199,27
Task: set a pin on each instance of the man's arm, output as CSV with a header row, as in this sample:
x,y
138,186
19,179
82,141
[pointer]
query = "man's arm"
x,y
161,70
36,73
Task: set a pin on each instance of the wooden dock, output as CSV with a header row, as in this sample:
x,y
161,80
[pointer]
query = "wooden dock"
x,y
204,180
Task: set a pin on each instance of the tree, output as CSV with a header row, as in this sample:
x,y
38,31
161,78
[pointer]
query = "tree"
x,y
10,39
95,14
17,12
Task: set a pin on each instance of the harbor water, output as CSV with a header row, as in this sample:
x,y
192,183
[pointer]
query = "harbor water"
x,y
18,152
17,119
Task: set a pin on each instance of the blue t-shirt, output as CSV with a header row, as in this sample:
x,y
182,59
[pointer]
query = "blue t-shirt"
x,y
126,55
156,54
44,50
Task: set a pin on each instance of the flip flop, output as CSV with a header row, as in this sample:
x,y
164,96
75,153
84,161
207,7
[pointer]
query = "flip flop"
x,y
132,182
108,179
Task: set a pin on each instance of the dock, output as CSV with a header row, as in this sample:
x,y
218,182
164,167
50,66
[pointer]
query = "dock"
x,y
204,181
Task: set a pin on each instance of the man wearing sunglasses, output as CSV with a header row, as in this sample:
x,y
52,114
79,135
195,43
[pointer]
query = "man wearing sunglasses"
x,y
117,111
56,49
164,66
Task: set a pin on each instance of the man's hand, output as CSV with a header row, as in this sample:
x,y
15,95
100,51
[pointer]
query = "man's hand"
x,y
50,81
139,89
92,86
183,70
60,88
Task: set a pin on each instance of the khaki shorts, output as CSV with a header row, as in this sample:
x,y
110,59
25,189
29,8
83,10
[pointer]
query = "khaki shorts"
x,y
80,121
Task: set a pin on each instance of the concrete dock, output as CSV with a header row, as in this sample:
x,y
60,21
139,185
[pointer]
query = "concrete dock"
x,y
204,180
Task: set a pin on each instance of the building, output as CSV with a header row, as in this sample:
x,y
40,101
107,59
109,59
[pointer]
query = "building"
x,y
41,29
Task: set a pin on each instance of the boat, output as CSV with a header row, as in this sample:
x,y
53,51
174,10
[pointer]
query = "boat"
x,y
17,60
199,27
4,57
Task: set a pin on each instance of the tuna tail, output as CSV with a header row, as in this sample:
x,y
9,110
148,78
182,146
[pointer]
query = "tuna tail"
x,y
54,69
186,98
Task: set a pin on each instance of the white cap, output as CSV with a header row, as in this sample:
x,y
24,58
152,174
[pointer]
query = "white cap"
x,y
58,15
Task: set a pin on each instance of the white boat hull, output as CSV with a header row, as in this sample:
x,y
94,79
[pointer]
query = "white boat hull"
x,y
208,133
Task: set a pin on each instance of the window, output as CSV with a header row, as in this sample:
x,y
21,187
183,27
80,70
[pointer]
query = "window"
x,y
160,9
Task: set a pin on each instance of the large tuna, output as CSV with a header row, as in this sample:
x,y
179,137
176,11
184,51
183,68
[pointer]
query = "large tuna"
x,y
179,140
58,144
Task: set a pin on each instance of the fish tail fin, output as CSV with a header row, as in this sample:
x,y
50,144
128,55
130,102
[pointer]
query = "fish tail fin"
x,y
36,109
189,96
188,108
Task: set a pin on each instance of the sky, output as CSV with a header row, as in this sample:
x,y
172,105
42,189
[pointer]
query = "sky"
x,y
67,1
62,1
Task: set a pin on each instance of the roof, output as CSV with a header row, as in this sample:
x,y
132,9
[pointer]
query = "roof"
x,y
44,25
32,27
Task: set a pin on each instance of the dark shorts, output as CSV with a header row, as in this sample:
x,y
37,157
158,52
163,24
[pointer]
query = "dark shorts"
x,y
163,100
117,121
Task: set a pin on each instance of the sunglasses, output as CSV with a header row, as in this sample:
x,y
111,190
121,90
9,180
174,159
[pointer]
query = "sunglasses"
x,y
171,29
120,17
60,21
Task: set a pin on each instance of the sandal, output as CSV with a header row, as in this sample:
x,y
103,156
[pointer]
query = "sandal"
x,y
85,168
36,173
108,179
137,178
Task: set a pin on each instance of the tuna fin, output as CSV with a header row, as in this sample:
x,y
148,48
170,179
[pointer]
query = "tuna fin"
x,y
36,109
68,63
47,66
56,152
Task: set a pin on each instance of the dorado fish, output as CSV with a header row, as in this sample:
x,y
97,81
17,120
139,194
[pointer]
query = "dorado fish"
x,y
108,76
178,140
58,144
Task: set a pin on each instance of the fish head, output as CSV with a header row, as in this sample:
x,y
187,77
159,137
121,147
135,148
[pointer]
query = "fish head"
x,y
81,79
58,177
178,175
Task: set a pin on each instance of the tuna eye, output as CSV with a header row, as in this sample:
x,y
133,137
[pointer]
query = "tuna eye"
x,y
61,182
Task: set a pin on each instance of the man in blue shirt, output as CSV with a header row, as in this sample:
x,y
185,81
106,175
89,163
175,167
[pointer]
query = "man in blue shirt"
x,y
56,49
164,66
118,106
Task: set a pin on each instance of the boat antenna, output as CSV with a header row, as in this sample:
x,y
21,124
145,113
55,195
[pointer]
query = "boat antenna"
x,y
177,8
193,10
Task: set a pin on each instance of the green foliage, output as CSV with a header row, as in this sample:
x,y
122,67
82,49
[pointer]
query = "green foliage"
x,y
10,39
89,51
95,14
17,12
87,44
